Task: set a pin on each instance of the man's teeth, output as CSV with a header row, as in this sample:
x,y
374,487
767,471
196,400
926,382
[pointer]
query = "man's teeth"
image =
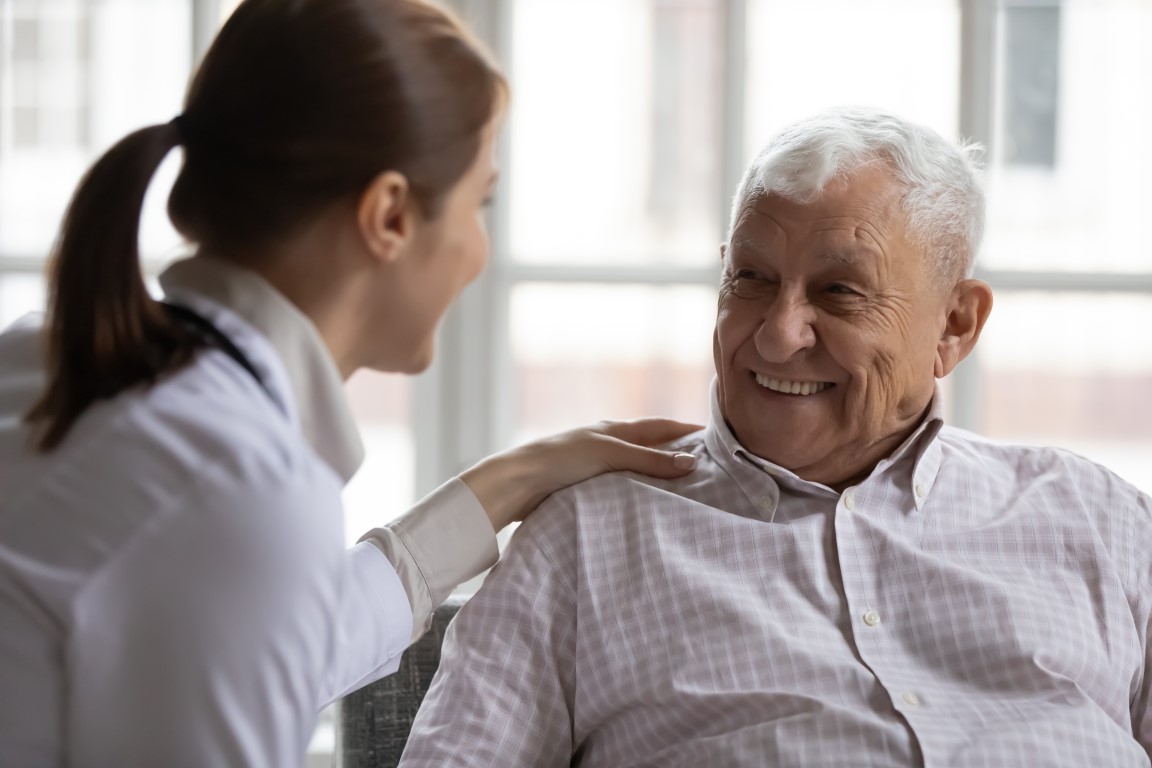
x,y
792,387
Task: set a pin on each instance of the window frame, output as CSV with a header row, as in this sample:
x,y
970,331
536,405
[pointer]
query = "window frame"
x,y
464,403
462,408
204,22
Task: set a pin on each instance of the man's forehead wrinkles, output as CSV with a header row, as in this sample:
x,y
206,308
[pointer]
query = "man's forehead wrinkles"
x,y
870,235
847,242
757,230
762,213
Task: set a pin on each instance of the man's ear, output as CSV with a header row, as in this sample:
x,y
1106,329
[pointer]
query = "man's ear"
x,y
968,308
385,215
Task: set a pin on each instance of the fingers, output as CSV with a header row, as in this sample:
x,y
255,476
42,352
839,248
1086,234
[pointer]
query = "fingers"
x,y
649,461
647,431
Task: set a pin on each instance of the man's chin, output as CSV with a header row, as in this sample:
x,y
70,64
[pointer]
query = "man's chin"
x,y
781,452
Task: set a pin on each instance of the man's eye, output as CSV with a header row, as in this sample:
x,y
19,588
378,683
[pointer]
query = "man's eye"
x,y
749,284
840,289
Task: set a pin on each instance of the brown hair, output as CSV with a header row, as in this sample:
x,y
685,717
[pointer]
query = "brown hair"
x,y
298,104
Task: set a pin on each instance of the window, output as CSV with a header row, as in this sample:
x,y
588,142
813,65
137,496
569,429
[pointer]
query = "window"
x,y
75,76
1061,367
901,55
49,58
1031,63
620,164
1072,272
614,178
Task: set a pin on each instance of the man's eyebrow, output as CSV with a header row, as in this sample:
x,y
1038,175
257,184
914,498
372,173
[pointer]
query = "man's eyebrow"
x,y
846,258
745,243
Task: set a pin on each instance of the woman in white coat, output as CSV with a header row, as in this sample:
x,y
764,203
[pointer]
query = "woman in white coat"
x,y
173,585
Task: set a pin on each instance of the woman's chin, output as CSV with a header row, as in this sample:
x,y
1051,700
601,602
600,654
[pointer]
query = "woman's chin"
x,y
410,362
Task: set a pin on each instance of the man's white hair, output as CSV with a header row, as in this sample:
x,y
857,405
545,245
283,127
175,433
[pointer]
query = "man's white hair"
x,y
943,199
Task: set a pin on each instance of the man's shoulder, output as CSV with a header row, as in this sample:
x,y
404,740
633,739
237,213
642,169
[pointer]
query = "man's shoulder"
x,y
569,507
592,503
612,489
1021,464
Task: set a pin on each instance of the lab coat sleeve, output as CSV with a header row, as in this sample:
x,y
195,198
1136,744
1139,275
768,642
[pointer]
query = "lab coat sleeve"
x,y
207,639
374,625
440,543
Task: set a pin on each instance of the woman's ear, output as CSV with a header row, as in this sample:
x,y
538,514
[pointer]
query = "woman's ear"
x,y
968,308
385,215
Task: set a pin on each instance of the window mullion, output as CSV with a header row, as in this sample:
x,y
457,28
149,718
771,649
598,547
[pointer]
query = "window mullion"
x,y
733,116
1082,282
977,87
205,25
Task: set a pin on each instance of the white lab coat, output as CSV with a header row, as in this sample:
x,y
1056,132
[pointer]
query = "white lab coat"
x,y
174,588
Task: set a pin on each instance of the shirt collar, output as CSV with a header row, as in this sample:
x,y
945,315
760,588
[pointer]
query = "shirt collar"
x,y
722,443
318,388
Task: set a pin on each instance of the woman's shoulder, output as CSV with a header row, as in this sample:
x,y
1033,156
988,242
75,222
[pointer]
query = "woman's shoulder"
x,y
201,435
198,456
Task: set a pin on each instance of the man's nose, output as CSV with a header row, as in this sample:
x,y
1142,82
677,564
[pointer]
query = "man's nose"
x,y
787,327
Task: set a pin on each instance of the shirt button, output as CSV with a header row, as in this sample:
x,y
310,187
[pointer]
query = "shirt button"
x,y
849,500
871,618
919,489
911,699
766,503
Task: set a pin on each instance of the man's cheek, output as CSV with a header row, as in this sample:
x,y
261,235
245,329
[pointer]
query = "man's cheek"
x,y
869,391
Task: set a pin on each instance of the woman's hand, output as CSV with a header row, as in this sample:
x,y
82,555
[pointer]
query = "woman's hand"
x,y
511,484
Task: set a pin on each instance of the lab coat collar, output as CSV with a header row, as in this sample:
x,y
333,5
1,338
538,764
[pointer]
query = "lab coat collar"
x,y
321,406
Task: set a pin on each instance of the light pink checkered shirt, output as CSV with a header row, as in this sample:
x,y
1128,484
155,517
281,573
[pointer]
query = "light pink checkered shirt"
x,y
969,604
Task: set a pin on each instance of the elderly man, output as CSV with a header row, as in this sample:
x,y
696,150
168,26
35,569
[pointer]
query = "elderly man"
x,y
844,580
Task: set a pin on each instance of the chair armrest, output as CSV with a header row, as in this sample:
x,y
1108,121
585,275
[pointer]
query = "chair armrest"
x,y
375,721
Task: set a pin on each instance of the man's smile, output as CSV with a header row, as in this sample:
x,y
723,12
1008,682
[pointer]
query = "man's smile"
x,y
787,387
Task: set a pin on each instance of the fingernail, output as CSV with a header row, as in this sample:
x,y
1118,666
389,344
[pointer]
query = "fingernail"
x,y
684,461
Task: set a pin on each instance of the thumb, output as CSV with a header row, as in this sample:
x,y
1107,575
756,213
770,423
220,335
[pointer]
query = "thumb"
x,y
650,461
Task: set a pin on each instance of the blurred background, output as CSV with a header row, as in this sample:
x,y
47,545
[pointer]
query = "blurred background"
x,y
630,125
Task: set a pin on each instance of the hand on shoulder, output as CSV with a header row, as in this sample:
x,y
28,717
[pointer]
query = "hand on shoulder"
x,y
511,484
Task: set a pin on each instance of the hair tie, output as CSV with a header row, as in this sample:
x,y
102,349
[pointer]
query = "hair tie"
x,y
180,123
194,134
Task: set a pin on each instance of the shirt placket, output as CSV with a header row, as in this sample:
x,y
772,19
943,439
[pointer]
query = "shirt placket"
x,y
874,616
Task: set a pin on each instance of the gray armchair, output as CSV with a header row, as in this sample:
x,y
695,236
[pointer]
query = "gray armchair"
x,y
375,720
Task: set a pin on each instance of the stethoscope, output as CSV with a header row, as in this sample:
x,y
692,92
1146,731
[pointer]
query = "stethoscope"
x,y
214,337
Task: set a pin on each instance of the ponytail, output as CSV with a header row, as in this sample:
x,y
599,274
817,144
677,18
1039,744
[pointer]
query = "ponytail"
x,y
345,90
104,333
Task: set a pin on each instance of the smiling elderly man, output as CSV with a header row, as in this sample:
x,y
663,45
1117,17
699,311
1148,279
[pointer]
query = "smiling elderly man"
x,y
844,580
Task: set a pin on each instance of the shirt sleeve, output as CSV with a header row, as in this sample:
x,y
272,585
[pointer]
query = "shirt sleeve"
x,y
206,640
1142,546
503,694
439,544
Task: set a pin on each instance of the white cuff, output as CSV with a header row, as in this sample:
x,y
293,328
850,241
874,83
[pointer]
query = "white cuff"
x,y
437,545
